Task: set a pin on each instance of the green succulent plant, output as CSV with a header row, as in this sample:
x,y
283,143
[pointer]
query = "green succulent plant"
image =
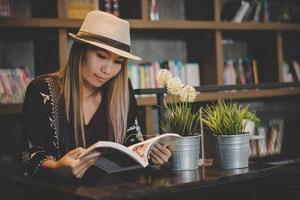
x,y
181,119
227,118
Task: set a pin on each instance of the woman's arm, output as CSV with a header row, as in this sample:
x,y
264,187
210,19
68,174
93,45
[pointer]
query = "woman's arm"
x,y
41,152
38,145
69,165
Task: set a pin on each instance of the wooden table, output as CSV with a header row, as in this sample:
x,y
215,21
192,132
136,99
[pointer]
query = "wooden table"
x,y
205,183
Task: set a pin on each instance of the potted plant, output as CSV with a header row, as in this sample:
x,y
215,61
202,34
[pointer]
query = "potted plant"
x,y
227,121
181,119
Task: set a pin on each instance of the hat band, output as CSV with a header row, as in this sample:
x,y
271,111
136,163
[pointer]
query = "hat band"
x,y
103,40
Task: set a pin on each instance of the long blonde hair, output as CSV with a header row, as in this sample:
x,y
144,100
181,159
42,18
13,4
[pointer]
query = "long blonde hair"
x,y
116,94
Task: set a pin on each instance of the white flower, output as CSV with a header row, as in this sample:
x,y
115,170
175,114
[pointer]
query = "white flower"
x,y
174,86
164,76
188,94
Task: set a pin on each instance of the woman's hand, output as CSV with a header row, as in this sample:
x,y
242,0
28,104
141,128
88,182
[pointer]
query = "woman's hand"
x,y
70,165
160,154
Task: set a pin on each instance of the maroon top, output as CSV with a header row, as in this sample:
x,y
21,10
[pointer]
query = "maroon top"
x,y
97,128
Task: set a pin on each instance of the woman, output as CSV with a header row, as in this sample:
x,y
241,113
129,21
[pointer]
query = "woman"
x,y
89,100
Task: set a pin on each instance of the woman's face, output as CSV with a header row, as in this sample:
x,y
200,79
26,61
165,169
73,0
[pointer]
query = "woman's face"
x,y
100,66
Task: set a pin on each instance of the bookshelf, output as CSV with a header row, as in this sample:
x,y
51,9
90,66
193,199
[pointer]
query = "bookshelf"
x,y
146,24
202,30
211,94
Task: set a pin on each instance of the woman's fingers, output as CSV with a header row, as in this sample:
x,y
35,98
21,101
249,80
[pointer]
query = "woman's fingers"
x,y
90,155
84,162
84,166
89,165
70,166
156,159
75,153
76,165
161,152
164,150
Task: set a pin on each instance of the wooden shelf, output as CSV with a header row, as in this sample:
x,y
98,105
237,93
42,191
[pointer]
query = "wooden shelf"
x,y
180,24
202,97
245,94
10,109
40,23
146,24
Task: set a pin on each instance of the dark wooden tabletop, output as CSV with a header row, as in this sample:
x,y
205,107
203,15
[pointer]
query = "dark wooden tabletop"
x,y
142,184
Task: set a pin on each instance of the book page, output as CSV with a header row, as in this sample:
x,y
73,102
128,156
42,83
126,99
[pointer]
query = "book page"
x,y
112,161
144,148
114,152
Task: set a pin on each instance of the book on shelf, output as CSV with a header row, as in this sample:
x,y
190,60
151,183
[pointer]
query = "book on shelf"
x,y
272,140
229,73
15,8
265,16
275,136
296,67
240,71
257,13
156,67
260,11
6,8
253,148
144,75
110,6
153,12
13,84
269,139
255,73
248,70
77,9
240,14
115,157
176,67
249,16
229,9
115,8
106,6
262,146
287,74
133,73
192,74
295,72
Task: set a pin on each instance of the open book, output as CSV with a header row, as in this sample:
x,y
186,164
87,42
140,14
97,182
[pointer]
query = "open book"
x,y
115,157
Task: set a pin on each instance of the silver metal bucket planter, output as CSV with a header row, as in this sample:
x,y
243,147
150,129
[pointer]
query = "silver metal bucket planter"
x,y
186,154
233,151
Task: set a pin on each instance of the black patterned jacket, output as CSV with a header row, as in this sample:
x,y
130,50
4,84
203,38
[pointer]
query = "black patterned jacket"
x,y
46,133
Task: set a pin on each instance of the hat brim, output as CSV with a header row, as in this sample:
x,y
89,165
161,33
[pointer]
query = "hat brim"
x,y
106,47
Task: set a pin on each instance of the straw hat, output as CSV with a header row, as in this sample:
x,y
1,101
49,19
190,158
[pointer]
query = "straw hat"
x,y
106,31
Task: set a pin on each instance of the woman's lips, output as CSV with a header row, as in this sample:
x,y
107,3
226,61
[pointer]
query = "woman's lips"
x,y
100,78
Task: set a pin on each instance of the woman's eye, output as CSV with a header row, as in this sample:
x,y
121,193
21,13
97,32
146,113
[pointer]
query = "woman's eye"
x,y
119,62
101,56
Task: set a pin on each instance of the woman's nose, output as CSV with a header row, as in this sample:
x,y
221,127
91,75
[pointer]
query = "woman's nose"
x,y
106,67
